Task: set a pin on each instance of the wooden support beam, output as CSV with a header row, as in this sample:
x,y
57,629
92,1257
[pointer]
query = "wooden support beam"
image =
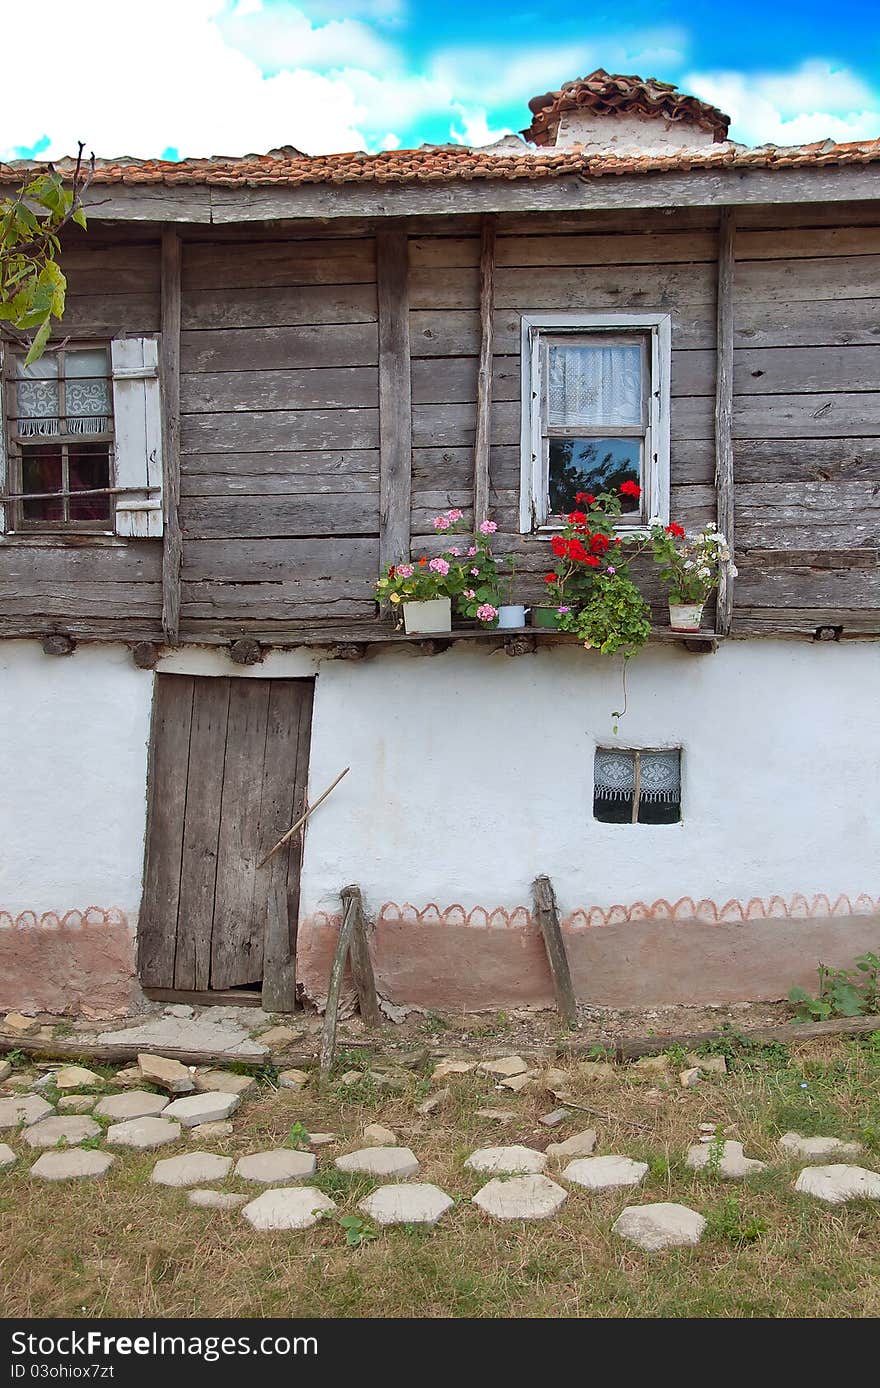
x,y
246,651
350,896
361,963
724,406
395,397
547,913
57,643
482,442
145,655
169,358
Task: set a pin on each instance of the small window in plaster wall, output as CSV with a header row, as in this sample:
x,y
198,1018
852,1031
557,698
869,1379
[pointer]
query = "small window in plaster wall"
x,y
637,787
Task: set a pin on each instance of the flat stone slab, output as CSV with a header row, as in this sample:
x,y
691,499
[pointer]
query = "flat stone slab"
x,y
223,1082
732,1166
578,1145
30,1108
135,1103
605,1173
444,1068
7,1156
503,1068
202,1108
378,1136
406,1204
76,1103
279,1167
143,1133
664,1225
24,1026
211,1132
170,1074
78,1163
380,1161
297,1207
800,1146
50,1131
215,1199
76,1077
518,1160
213,1035
522,1197
193,1169
836,1183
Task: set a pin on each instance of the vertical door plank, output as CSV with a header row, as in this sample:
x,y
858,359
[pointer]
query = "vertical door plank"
x,y
236,950
300,803
201,834
278,812
167,786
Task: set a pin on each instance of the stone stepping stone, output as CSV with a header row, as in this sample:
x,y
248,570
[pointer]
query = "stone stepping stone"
x,y
522,1197
223,1082
518,1160
215,1199
322,1139
143,1133
297,1079
380,1161
210,1132
193,1169
76,1077
836,1183
503,1068
279,1167
76,1103
195,1109
444,1068
800,1146
378,1136
578,1145
7,1156
168,1074
406,1204
732,1165
291,1207
606,1173
664,1225
30,1108
79,1163
50,1131
135,1103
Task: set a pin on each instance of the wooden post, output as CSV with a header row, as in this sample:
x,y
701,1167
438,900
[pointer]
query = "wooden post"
x,y
724,407
172,541
483,438
351,897
395,397
361,963
548,918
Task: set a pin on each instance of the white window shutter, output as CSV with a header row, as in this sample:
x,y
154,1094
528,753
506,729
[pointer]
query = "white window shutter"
x,y
4,471
137,429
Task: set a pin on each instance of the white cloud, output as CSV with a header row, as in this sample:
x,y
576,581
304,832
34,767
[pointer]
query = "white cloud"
x,y
475,129
813,102
282,36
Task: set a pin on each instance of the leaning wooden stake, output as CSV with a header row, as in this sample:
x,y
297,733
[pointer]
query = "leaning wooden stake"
x,y
548,918
352,936
310,809
361,963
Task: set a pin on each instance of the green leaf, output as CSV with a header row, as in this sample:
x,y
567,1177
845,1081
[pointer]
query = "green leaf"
x,y
38,346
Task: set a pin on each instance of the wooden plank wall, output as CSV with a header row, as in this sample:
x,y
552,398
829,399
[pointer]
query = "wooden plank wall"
x,y
279,434
109,588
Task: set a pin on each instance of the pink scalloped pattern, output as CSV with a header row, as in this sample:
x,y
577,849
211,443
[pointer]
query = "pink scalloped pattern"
x,y
686,908
62,920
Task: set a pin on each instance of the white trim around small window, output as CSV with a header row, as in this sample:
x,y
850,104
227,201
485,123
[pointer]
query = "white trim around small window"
x,y
634,428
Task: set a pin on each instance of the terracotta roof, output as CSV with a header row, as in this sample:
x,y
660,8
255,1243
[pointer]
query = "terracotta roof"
x,y
449,164
609,94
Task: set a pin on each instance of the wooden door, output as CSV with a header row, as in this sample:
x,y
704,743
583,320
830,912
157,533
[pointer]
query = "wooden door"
x,y
228,772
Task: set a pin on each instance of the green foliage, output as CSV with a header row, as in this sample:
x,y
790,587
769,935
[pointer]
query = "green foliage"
x,y
32,284
715,1155
434,1024
728,1221
357,1230
298,1136
842,992
615,616
689,565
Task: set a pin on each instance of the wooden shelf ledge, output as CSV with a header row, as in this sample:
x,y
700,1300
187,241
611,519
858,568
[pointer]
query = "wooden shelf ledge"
x,y
355,644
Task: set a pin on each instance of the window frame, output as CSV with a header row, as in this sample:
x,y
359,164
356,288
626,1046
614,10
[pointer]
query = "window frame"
x,y
17,445
539,328
638,753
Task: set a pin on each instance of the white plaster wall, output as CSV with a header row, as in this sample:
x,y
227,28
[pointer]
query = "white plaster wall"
x,y
73,764
628,134
471,773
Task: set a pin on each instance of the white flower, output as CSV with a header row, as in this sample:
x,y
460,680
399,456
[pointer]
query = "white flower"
x,y
688,563
733,571
703,572
710,525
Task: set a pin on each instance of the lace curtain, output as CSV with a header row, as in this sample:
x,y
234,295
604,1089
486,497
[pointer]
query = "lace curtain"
x,y
595,387
659,775
86,390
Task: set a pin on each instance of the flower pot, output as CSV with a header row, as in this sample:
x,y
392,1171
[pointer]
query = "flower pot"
x,y
685,616
511,616
546,617
423,618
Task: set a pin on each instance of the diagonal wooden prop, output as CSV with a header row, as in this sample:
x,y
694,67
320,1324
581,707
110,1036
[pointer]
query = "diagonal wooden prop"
x,y
310,809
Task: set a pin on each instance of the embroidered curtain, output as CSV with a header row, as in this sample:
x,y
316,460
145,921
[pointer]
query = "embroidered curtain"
x,y
659,775
86,392
595,387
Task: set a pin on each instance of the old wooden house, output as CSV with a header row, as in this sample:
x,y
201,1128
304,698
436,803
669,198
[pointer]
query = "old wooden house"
x,y
274,371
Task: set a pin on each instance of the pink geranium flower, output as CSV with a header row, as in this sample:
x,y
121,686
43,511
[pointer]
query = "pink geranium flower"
x,y
471,552
454,549
439,566
476,573
441,522
488,527
454,514
486,612
469,593
405,571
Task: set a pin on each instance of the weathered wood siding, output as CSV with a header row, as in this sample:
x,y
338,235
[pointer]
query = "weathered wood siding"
x,y
279,434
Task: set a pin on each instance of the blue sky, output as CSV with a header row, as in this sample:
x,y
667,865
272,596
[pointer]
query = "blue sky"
x,y
200,77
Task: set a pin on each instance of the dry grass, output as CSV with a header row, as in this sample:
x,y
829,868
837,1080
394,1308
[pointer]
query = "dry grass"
x,y
122,1247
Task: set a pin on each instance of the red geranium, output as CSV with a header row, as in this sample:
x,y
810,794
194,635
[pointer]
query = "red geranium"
x,y
576,551
675,529
559,546
577,518
423,560
550,578
599,544
586,497
630,489
592,561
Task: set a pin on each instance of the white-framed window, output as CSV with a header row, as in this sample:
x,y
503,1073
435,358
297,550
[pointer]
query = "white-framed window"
x,y
81,440
595,413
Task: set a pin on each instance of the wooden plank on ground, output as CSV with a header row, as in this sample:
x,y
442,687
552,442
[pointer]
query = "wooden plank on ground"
x,y
548,918
361,963
166,791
